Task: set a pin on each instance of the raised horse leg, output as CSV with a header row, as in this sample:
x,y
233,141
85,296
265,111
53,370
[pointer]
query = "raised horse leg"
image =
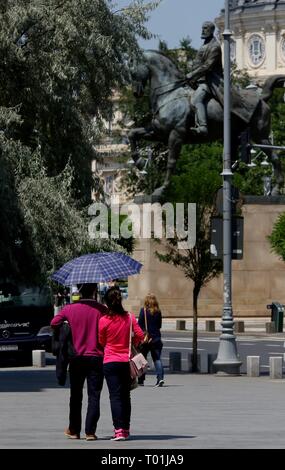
x,y
277,168
134,136
175,141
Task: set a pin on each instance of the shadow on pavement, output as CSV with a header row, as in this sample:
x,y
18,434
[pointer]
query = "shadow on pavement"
x,y
151,437
159,437
27,380
164,386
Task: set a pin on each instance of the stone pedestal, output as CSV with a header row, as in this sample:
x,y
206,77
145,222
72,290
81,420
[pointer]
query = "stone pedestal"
x,y
175,362
275,367
180,324
210,325
39,358
239,327
253,366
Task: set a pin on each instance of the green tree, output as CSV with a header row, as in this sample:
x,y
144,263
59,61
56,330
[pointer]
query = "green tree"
x,y
197,180
277,237
60,61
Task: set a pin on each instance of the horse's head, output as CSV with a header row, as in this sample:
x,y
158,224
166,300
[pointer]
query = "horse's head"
x,y
155,67
140,75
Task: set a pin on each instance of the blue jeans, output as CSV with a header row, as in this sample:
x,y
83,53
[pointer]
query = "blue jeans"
x,y
118,379
81,368
155,348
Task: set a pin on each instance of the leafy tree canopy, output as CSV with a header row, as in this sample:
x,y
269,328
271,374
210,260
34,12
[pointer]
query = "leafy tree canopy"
x,y
277,237
60,61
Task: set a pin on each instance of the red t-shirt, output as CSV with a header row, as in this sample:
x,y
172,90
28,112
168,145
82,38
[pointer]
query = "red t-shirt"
x,y
83,318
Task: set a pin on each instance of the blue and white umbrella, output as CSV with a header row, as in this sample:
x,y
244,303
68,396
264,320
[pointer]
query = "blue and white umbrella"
x,y
96,267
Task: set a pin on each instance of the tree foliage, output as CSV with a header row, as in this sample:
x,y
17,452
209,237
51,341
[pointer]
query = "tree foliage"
x,y
197,180
60,61
277,237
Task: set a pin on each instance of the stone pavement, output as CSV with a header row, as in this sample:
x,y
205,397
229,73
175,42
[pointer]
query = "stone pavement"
x,y
189,412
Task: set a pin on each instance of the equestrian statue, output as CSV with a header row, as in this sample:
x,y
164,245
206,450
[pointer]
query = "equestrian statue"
x,y
190,110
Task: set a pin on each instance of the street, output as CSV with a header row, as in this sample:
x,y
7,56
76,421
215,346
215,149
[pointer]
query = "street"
x,y
191,411
248,345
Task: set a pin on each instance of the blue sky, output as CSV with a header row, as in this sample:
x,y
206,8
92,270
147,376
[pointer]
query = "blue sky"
x,y
175,19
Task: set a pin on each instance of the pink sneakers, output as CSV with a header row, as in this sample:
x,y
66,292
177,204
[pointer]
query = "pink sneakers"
x,y
121,435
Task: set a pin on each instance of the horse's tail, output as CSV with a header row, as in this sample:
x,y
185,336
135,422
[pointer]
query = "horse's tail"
x,y
276,81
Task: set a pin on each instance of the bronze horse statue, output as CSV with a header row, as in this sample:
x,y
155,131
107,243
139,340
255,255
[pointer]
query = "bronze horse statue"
x,y
173,115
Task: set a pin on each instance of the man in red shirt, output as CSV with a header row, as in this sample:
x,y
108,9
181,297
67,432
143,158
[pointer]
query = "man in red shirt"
x,y
83,318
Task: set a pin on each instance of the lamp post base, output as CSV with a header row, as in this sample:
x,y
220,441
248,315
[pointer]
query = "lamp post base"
x,y
227,362
228,370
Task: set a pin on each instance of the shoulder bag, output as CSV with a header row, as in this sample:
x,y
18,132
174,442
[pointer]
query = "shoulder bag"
x,y
138,363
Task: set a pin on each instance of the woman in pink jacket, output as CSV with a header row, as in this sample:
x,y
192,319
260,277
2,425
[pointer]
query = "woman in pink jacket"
x,y
114,335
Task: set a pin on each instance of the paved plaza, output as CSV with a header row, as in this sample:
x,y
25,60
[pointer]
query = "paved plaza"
x,y
189,412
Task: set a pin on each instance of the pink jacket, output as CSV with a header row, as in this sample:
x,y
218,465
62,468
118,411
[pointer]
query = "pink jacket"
x,y
114,336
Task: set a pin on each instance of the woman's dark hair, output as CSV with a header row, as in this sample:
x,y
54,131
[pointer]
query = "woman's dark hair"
x,y
113,299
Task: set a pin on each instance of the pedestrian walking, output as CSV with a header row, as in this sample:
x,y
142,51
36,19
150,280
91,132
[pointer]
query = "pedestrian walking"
x,y
87,364
150,320
114,336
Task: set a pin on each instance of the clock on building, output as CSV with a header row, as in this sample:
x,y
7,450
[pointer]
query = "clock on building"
x,y
256,49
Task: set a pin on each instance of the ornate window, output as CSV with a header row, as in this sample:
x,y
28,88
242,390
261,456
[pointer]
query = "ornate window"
x,y
256,50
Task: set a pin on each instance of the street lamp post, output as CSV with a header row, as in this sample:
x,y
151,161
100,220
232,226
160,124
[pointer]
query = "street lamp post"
x,y
227,362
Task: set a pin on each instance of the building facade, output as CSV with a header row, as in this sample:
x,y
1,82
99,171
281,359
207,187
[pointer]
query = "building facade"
x,y
113,153
258,41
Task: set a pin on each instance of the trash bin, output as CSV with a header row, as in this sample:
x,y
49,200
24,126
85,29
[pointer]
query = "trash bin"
x,y
277,315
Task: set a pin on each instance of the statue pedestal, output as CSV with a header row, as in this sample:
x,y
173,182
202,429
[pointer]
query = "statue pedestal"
x,y
257,279
264,200
146,199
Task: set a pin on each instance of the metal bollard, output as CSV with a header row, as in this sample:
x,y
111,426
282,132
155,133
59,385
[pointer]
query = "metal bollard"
x,y
175,361
275,367
202,361
180,324
239,327
270,327
210,325
211,365
253,366
39,358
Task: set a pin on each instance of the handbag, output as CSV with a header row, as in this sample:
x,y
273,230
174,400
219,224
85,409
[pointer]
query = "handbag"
x,y
138,363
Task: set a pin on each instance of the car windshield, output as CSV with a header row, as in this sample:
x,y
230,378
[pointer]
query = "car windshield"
x,y
26,296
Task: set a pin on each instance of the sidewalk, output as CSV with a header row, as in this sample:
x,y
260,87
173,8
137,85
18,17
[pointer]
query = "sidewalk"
x,y
189,412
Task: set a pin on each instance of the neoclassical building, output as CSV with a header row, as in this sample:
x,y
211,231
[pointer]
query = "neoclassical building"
x,y
258,41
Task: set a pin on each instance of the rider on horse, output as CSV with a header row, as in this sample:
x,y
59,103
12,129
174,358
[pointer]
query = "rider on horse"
x,y
206,78
207,67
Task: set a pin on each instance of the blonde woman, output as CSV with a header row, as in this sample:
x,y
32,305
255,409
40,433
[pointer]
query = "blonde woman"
x,y
150,320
